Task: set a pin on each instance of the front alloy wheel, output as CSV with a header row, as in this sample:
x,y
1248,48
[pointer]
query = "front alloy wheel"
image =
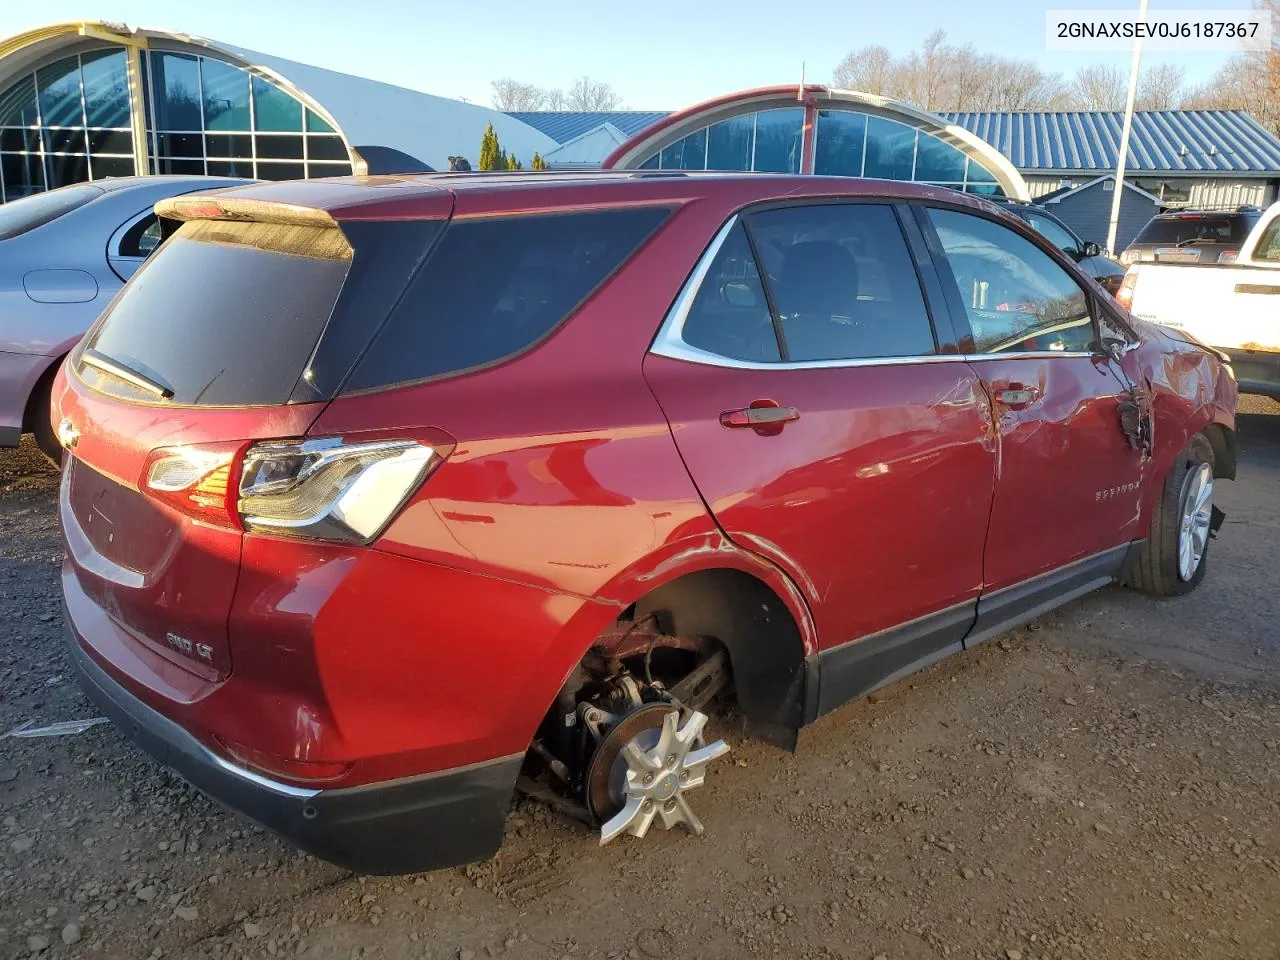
x,y
1197,510
1174,556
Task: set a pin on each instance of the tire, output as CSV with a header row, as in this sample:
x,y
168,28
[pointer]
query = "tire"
x,y
1160,568
41,423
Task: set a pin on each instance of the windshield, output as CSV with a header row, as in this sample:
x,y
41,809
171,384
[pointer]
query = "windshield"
x,y
19,216
1190,229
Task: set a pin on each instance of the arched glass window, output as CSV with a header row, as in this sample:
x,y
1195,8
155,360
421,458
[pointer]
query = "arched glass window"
x,y
848,143
769,140
72,120
66,123
212,117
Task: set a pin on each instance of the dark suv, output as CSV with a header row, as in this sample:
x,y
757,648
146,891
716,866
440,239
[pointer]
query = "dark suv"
x,y
1192,236
386,497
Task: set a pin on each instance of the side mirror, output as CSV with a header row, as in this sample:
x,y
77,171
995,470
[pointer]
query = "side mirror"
x,y
1091,249
1115,349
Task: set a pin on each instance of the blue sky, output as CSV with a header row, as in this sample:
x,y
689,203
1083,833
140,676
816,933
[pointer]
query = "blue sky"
x,y
658,56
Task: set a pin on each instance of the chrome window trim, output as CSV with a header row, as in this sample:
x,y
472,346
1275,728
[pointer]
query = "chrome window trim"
x,y
670,342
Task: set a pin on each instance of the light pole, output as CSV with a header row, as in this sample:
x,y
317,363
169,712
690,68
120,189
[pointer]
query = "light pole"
x,y
1124,133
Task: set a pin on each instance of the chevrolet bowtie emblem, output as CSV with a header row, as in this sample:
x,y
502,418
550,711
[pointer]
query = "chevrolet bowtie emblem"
x,y
68,435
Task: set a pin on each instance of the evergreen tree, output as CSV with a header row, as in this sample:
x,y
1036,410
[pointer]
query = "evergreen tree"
x,y
537,163
491,155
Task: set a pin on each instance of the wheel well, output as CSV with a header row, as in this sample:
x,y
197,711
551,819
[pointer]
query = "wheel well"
x,y
38,391
1223,441
766,653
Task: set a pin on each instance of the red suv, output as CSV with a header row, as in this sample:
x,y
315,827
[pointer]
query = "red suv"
x,y
388,496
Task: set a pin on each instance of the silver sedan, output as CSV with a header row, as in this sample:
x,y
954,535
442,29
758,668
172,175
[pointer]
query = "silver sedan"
x,y
63,256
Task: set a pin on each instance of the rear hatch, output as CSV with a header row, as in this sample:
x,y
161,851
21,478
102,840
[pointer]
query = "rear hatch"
x,y
215,343
1190,238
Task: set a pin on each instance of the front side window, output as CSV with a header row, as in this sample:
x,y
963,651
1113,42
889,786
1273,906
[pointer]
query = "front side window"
x,y
1052,231
843,282
1016,297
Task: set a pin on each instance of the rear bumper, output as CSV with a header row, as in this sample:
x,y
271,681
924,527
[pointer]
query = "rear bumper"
x,y
419,823
1257,371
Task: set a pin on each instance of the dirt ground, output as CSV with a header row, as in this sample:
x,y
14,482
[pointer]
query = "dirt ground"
x,y
1104,783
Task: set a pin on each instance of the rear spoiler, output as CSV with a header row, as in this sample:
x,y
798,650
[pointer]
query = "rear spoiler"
x,y
175,211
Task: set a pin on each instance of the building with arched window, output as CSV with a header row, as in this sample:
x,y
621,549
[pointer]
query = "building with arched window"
x,y
820,131
88,100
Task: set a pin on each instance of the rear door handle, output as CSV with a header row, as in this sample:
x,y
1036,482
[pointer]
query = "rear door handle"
x,y
761,413
1016,396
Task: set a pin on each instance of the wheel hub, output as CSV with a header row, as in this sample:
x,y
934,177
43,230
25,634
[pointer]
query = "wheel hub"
x,y
1197,514
644,768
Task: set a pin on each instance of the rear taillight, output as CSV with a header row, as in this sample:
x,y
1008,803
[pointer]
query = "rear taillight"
x,y
330,489
322,489
1130,256
1228,256
197,480
1124,296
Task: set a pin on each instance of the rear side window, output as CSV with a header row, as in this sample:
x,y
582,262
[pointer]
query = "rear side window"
x,y
491,288
225,314
843,282
1191,229
19,216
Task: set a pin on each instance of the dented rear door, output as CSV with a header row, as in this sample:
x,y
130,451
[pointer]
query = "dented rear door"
x,y
867,478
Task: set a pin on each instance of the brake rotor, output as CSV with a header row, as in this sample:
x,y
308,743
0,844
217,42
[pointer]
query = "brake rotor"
x,y
643,768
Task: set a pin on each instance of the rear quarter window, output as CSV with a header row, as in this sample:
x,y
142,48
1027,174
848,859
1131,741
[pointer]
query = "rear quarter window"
x,y
494,287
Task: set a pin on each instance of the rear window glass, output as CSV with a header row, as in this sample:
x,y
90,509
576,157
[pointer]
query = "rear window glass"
x,y
494,287
19,216
1191,230
225,314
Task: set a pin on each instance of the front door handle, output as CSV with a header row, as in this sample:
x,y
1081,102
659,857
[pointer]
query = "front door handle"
x,y
761,413
1016,396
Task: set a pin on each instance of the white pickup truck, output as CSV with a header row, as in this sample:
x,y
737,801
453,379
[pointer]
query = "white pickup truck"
x,y
1233,307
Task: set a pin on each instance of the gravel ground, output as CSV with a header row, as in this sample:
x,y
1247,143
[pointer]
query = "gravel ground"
x,y
1104,783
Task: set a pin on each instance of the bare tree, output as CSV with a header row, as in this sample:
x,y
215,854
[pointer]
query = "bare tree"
x,y
868,70
1248,81
1100,86
509,94
586,94
1160,87
943,77
554,100
926,72
1020,85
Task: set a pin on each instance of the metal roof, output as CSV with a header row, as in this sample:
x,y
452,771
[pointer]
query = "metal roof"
x,y
563,125
1165,141
1188,142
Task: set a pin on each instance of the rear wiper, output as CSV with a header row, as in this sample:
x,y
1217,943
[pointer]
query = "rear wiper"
x,y
120,371
1190,240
